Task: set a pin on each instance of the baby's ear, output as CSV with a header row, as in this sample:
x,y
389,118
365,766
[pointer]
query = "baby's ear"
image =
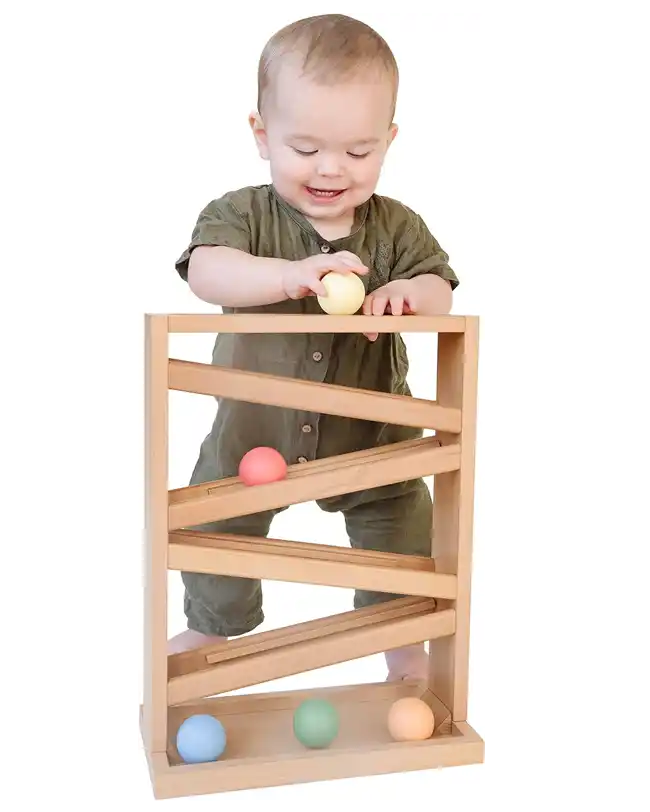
x,y
259,133
392,132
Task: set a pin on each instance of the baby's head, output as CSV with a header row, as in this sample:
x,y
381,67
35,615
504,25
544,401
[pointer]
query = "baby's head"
x,y
327,88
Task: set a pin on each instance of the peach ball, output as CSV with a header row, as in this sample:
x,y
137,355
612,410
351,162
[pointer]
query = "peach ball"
x,y
410,719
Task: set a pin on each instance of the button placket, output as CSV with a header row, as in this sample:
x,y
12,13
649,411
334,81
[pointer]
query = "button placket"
x,y
307,444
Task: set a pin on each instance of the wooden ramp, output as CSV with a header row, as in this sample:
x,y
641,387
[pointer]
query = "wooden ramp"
x,y
303,647
300,562
323,398
318,479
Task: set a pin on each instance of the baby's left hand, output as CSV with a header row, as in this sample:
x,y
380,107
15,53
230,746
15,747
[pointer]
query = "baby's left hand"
x,y
396,297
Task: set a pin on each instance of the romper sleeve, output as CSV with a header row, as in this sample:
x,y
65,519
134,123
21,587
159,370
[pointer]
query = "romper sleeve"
x,y
219,223
418,252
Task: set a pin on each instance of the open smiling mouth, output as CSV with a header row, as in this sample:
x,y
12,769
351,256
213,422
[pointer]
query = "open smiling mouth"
x,y
324,194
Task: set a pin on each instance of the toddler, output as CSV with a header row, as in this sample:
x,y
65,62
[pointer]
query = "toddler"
x,y
327,89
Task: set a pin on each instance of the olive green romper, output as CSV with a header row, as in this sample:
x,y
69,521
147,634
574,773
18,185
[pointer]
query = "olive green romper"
x,y
394,243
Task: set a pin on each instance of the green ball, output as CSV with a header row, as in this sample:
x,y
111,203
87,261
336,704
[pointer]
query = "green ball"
x,y
316,723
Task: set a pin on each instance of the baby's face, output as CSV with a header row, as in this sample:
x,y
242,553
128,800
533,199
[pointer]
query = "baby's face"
x,y
326,144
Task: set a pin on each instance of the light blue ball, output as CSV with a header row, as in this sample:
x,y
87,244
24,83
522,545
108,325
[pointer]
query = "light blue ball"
x,y
200,738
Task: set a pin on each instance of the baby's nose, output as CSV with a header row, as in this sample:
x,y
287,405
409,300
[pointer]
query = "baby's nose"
x,y
330,166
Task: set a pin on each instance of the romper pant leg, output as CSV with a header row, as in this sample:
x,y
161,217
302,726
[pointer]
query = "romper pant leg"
x,y
399,523
224,605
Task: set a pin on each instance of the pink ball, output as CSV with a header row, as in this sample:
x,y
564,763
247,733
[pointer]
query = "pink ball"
x,y
261,465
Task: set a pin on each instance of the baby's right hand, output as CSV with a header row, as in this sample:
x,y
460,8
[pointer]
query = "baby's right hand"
x,y
302,277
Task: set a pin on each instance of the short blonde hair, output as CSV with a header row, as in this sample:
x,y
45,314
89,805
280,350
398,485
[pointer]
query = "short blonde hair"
x,y
333,47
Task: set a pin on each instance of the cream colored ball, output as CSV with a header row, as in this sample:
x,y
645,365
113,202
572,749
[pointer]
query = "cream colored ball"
x,y
410,719
345,294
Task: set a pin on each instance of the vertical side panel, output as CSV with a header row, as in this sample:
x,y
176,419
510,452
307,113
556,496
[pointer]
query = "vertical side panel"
x,y
454,515
156,533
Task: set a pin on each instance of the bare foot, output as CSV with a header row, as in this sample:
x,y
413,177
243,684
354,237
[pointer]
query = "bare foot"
x,y
189,639
407,663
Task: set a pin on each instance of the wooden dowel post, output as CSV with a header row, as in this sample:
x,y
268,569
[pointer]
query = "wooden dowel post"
x,y
453,515
154,706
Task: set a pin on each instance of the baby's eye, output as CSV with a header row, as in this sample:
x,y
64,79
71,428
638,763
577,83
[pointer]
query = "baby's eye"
x,y
304,151
355,155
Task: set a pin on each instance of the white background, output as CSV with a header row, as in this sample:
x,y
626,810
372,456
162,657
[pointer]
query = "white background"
x,y
524,144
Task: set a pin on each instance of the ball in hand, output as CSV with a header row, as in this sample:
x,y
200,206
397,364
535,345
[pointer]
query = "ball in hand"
x,y
316,723
345,294
410,719
262,465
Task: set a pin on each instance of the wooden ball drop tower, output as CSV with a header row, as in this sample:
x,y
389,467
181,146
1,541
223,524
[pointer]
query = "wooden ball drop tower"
x,y
261,749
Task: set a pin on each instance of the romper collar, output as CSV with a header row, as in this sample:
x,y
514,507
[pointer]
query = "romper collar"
x,y
360,215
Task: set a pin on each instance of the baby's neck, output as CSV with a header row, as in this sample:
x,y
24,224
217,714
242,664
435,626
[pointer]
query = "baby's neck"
x,y
334,229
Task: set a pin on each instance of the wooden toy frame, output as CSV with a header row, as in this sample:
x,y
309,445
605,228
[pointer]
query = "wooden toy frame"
x,y
261,749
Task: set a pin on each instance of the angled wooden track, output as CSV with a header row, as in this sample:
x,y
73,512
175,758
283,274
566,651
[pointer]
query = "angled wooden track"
x,y
308,481
197,659
300,562
305,647
324,398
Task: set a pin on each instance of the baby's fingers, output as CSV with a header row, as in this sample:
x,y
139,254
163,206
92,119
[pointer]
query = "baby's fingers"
x,y
349,262
379,304
348,255
397,305
366,307
316,286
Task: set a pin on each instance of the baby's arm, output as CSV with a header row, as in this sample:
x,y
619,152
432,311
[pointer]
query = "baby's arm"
x,y
233,278
433,294
420,281
230,277
221,267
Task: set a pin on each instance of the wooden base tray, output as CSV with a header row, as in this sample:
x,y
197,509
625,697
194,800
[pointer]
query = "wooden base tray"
x,y
262,750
